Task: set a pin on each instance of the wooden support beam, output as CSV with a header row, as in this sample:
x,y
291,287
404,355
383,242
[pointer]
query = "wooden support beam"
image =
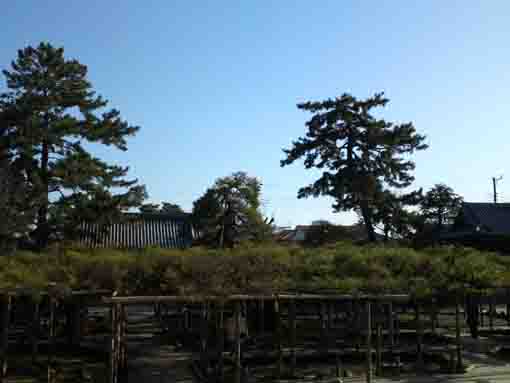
x,y
278,340
369,342
261,324
204,324
460,365
324,327
391,327
508,307
120,340
379,345
238,366
292,328
52,322
5,317
419,333
123,327
221,342
35,328
491,312
75,322
113,345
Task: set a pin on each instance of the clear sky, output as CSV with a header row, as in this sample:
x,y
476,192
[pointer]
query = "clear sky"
x,y
214,85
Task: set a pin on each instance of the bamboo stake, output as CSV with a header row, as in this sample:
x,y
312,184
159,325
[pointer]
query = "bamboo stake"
x,y
369,343
6,306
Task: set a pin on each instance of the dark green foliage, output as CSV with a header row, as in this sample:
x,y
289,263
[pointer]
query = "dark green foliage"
x,y
391,212
360,155
149,208
440,205
228,212
171,208
17,204
48,115
164,208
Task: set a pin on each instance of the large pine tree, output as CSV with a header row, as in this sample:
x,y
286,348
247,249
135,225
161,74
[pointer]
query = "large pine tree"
x,y
48,114
360,155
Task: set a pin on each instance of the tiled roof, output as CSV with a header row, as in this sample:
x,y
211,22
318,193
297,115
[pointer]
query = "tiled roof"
x,y
488,217
138,231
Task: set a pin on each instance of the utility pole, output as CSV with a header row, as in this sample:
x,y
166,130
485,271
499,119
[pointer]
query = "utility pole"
x,y
495,180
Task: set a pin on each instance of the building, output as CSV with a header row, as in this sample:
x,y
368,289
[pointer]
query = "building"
x,y
137,231
317,234
481,225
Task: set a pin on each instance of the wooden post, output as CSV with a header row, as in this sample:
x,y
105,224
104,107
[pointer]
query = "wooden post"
x,y
238,367
397,328
113,345
123,326
460,365
433,317
419,333
51,338
120,340
324,327
221,342
35,328
278,335
292,327
391,322
369,343
6,304
491,313
379,350
508,307
261,325
75,322
203,338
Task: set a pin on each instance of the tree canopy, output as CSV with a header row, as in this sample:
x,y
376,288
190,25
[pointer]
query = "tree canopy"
x,y
361,157
229,211
163,208
440,205
48,115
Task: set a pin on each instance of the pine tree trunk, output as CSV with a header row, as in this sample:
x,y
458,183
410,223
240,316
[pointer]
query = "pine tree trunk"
x,y
367,219
42,216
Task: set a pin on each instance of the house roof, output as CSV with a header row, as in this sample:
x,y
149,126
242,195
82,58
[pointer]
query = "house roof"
x,y
487,217
138,231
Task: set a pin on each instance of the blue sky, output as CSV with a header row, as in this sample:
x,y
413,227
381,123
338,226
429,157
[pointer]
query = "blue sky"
x,y
214,85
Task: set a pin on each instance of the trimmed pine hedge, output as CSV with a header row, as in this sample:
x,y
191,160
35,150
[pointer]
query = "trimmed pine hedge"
x,y
344,267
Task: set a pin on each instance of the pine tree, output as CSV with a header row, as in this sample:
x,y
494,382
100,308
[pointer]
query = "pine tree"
x,y
440,205
52,112
229,211
358,153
